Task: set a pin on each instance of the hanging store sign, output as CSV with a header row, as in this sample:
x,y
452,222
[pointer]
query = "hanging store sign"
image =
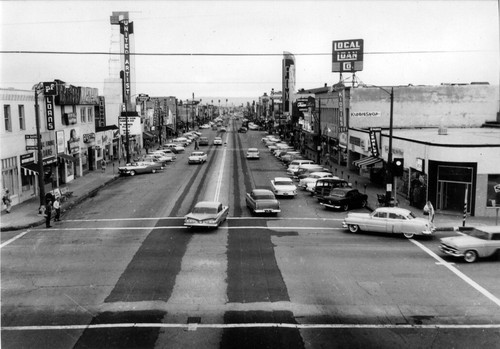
x,y
49,112
373,141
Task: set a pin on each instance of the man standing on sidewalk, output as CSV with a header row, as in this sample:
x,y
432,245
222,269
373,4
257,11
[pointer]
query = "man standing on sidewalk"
x,y
57,208
48,213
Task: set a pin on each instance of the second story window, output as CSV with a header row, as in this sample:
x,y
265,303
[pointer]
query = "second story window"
x,y
22,120
7,118
83,115
90,115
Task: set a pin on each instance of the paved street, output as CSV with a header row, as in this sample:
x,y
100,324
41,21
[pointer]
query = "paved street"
x,y
121,271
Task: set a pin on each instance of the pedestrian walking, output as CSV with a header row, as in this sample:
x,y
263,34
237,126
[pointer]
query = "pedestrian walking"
x,y
196,145
57,208
48,213
7,201
103,165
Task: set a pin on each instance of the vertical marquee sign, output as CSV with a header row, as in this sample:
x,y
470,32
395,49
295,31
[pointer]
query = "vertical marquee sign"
x,y
288,81
126,28
347,56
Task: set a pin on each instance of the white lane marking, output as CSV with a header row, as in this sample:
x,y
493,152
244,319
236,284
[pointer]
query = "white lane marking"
x,y
14,239
184,227
251,325
219,178
457,272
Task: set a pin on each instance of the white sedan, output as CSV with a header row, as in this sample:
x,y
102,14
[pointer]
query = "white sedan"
x,y
217,141
177,147
312,178
206,214
253,153
197,157
283,186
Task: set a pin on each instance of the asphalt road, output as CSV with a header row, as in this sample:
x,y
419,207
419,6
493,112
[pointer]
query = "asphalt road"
x,y
121,271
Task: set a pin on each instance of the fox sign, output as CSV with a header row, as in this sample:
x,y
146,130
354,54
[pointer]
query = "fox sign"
x,y
347,56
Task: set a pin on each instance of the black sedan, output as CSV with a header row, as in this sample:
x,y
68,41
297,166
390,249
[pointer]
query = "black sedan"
x,y
344,199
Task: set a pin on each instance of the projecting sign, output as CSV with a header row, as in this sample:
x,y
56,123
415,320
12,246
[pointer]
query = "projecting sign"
x,y
347,56
134,125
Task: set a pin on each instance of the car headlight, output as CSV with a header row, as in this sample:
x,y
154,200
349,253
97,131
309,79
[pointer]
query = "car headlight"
x,y
211,221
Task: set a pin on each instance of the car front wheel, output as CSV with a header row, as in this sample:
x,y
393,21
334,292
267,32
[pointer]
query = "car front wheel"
x,y
470,256
132,173
408,235
353,228
363,203
153,171
345,207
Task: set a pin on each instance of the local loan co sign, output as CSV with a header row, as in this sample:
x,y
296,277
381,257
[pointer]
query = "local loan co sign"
x,y
347,56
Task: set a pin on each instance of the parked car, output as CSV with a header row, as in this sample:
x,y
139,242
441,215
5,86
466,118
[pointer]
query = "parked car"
x,y
162,160
140,167
294,166
253,153
344,199
205,126
242,130
162,156
324,186
218,141
252,126
478,242
305,171
206,214
262,201
197,157
283,186
203,140
395,220
176,147
313,178
184,141
223,129
169,152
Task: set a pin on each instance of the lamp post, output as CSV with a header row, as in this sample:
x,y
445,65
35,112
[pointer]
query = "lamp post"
x,y
41,181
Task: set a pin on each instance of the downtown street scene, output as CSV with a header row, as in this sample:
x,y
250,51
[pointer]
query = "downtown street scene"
x,y
282,174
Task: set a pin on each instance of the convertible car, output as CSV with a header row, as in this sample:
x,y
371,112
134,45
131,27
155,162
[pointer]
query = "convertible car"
x,y
197,157
389,220
206,214
140,167
262,201
344,199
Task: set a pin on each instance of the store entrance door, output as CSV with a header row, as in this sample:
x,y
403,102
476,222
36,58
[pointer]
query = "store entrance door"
x,y
451,196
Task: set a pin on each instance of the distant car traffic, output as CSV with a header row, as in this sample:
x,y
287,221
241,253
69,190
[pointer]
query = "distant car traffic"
x,y
223,129
207,214
242,130
218,141
203,140
140,167
197,157
253,153
283,186
478,242
389,220
262,201
344,199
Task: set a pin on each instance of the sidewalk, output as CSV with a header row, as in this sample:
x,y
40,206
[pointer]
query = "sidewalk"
x,y
25,215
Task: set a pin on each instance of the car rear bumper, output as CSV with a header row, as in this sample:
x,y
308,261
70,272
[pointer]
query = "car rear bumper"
x,y
267,210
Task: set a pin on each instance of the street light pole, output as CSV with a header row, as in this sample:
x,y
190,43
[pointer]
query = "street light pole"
x,y
390,177
41,181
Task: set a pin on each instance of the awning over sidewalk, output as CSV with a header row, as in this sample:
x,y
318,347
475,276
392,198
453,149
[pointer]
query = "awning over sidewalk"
x,y
368,161
30,168
147,134
68,158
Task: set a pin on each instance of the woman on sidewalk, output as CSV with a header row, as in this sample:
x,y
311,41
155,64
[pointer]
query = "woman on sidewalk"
x,y
7,201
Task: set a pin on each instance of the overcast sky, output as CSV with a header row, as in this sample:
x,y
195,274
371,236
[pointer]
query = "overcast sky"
x,y
405,42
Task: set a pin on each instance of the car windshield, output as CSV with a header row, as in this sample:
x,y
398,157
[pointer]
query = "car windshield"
x,y
478,234
205,210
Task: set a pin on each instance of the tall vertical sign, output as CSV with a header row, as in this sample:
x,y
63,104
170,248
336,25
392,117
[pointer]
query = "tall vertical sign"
x,y
126,28
288,81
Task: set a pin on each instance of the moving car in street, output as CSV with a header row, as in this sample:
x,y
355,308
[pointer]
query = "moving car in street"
x,y
283,186
344,199
206,214
262,201
242,130
218,141
197,157
478,242
140,167
253,153
203,140
389,220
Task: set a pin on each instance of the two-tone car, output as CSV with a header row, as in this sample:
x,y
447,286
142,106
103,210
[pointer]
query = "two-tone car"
x,y
262,201
206,214
473,244
140,167
394,220
253,153
283,186
344,199
197,157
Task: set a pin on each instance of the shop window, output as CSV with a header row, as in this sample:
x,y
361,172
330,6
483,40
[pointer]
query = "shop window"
x,y
7,118
22,118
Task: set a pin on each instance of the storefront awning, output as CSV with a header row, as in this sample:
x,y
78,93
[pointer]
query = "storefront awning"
x,y
30,168
368,161
147,134
68,158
